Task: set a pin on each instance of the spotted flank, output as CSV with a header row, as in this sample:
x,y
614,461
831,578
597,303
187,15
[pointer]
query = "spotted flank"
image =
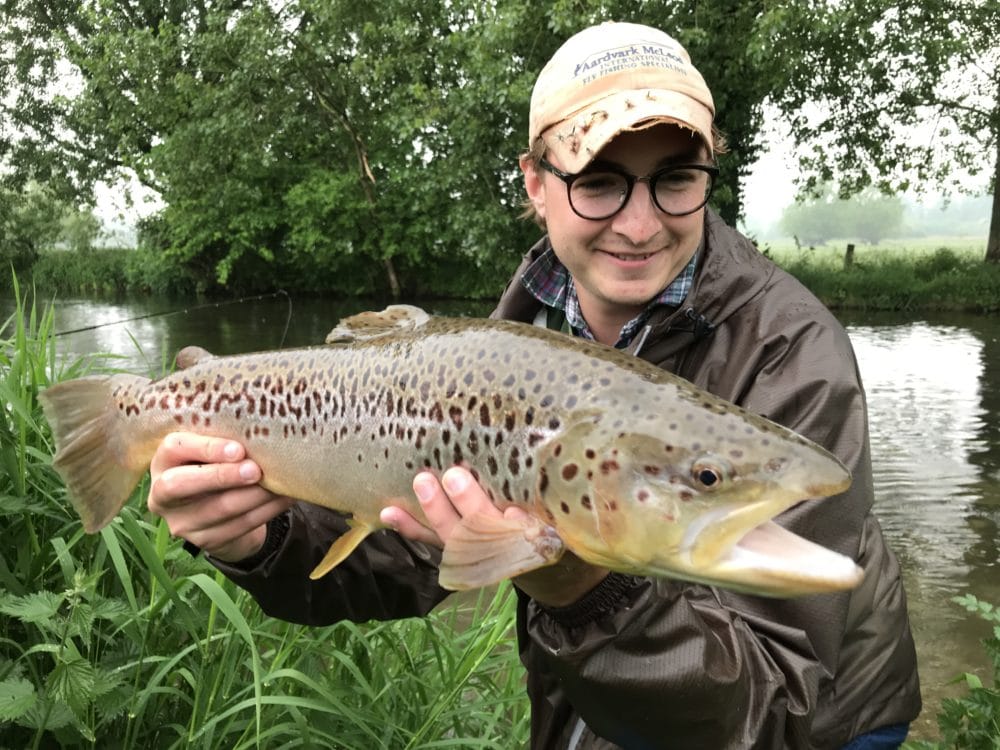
x,y
625,465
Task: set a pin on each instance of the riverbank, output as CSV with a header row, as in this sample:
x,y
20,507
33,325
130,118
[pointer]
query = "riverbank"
x,y
930,275
908,276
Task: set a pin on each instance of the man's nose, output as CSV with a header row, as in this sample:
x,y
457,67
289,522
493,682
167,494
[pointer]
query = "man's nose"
x,y
639,220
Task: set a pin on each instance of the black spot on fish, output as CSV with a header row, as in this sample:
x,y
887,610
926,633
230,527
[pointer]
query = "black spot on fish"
x,y
543,481
491,464
565,507
513,461
585,502
569,471
484,415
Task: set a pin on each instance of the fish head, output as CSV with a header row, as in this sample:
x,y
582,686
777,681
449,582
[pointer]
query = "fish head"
x,y
696,501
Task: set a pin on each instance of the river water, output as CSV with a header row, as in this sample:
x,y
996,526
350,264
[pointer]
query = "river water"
x,y
933,389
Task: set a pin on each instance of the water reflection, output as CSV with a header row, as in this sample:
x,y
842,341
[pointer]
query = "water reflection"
x,y
934,400
936,482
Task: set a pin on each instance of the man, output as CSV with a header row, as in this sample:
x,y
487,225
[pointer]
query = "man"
x,y
619,169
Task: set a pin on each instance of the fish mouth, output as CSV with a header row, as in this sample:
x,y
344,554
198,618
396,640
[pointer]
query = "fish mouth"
x,y
745,552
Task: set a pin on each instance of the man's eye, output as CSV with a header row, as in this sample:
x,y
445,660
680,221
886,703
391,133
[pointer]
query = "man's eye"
x,y
678,178
599,183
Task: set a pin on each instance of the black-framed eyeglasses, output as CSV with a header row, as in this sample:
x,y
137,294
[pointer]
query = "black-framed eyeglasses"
x,y
600,193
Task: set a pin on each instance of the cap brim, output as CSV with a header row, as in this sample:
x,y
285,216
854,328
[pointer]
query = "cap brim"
x,y
579,138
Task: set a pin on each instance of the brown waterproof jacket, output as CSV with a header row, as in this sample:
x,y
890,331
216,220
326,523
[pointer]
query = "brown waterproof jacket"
x,y
652,663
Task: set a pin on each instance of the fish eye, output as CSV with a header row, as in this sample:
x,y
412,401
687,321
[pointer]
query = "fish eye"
x,y
708,475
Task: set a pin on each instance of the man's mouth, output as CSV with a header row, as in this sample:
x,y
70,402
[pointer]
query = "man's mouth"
x,y
631,256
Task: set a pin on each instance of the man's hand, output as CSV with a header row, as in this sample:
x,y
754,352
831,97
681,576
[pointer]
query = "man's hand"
x,y
457,495
207,492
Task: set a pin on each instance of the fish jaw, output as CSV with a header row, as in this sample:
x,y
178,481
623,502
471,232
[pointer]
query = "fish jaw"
x,y
770,560
646,511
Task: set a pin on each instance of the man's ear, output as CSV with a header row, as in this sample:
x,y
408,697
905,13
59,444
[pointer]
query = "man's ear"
x,y
533,185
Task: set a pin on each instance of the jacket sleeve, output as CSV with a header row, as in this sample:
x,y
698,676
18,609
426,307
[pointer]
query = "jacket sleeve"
x,y
386,577
710,667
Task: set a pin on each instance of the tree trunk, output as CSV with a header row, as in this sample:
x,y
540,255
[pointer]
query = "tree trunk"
x,y
993,239
390,271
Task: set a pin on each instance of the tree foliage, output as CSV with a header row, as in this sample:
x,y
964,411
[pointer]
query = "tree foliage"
x,y
893,95
362,147
363,143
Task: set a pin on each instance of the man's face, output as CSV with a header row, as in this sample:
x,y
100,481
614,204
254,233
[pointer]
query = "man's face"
x,y
620,263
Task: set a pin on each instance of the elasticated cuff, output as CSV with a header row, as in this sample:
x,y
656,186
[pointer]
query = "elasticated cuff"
x,y
605,597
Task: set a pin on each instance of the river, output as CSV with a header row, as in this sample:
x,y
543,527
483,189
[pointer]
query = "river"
x,y
933,389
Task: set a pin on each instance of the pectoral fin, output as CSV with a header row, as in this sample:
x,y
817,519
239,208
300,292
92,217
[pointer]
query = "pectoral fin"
x,y
483,550
341,548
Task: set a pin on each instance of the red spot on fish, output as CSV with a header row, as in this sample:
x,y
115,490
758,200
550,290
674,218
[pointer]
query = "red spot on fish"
x,y
653,471
569,471
609,466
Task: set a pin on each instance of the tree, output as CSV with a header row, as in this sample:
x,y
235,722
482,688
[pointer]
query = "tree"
x,y
893,95
870,217
321,134
29,221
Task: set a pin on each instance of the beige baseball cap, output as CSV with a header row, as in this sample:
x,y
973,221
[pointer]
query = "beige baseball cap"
x,y
611,78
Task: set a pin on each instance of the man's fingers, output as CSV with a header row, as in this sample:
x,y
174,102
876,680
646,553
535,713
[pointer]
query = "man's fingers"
x,y
230,526
467,497
440,512
179,484
408,526
179,448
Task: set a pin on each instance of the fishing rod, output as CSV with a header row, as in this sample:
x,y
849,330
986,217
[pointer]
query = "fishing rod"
x,y
185,310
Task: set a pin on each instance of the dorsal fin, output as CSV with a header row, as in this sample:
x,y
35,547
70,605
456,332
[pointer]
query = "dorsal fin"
x,y
190,356
372,325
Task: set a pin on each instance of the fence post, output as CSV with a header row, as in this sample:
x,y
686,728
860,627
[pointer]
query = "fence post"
x,y
849,256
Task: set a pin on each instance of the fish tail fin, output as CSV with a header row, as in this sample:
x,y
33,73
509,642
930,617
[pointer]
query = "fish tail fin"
x,y
95,454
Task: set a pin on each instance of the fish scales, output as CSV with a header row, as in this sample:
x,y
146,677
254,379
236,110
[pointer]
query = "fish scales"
x,y
624,464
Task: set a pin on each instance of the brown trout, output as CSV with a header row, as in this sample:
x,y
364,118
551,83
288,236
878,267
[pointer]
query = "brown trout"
x,y
626,465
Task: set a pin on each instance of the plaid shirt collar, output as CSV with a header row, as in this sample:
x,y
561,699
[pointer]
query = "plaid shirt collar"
x,y
550,283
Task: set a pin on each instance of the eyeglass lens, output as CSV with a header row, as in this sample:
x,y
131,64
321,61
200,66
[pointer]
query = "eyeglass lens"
x,y
677,191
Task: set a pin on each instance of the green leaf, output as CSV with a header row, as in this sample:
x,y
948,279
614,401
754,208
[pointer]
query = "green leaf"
x,y
17,697
41,606
72,681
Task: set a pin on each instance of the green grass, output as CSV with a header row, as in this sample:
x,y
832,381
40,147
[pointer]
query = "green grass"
x,y
123,640
944,275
